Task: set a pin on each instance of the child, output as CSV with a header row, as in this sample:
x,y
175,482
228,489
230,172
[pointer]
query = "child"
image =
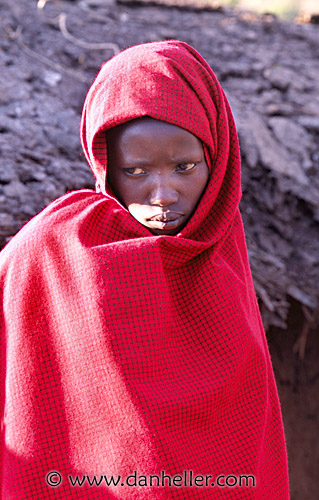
x,y
132,345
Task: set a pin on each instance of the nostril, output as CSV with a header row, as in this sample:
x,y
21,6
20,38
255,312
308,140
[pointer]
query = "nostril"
x,y
163,197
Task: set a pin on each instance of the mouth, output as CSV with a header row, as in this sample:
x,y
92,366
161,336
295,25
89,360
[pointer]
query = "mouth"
x,y
165,220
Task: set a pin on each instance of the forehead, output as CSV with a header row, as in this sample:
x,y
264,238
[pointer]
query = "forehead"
x,y
148,136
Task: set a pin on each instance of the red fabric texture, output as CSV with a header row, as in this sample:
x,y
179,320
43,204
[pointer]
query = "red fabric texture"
x,y
122,351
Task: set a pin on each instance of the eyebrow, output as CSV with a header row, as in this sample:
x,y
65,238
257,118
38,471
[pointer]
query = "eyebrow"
x,y
188,156
185,158
138,161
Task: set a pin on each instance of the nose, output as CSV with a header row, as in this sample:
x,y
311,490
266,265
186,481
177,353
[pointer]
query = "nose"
x,y
163,193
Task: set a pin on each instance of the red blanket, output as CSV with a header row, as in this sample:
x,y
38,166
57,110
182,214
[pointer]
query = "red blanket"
x,y
131,355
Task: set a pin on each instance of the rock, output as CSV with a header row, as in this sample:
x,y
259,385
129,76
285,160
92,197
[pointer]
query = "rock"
x,y
302,297
11,92
52,191
310,107
6,220
271,154
65,143
167,34
237,68
282,109
52,78
271,97
309,122
245,86
8,172
250,36
282,77
37,156
278,77
290,134
15,189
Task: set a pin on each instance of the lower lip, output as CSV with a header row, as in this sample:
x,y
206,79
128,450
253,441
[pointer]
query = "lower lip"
x,y
161,225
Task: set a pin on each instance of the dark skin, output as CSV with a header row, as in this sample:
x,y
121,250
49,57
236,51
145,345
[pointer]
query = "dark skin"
x,y
158,171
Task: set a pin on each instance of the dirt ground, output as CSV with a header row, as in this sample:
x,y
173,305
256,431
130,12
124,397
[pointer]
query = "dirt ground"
x,y
50,52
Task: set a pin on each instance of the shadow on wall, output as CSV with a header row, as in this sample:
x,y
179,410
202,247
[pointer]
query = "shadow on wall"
x,y
298,386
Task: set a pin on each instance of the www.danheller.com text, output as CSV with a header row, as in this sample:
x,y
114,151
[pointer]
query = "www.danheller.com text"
x,y
186,479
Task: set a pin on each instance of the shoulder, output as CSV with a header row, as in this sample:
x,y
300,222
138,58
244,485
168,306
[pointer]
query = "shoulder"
x,y
55,225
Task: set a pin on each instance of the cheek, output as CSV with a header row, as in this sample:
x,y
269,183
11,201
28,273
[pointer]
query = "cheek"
x,y
197,187
205,174
139,212
130,192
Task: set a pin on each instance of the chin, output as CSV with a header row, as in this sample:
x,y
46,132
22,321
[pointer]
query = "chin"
x,y
159,232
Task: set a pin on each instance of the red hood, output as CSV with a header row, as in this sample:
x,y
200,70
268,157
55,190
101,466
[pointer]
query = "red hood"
x,y
176,86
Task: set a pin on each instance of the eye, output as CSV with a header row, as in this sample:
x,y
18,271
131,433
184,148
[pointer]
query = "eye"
x,y
185,167
134,171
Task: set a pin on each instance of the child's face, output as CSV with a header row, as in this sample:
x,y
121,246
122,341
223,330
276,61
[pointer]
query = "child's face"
x,y
158,171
